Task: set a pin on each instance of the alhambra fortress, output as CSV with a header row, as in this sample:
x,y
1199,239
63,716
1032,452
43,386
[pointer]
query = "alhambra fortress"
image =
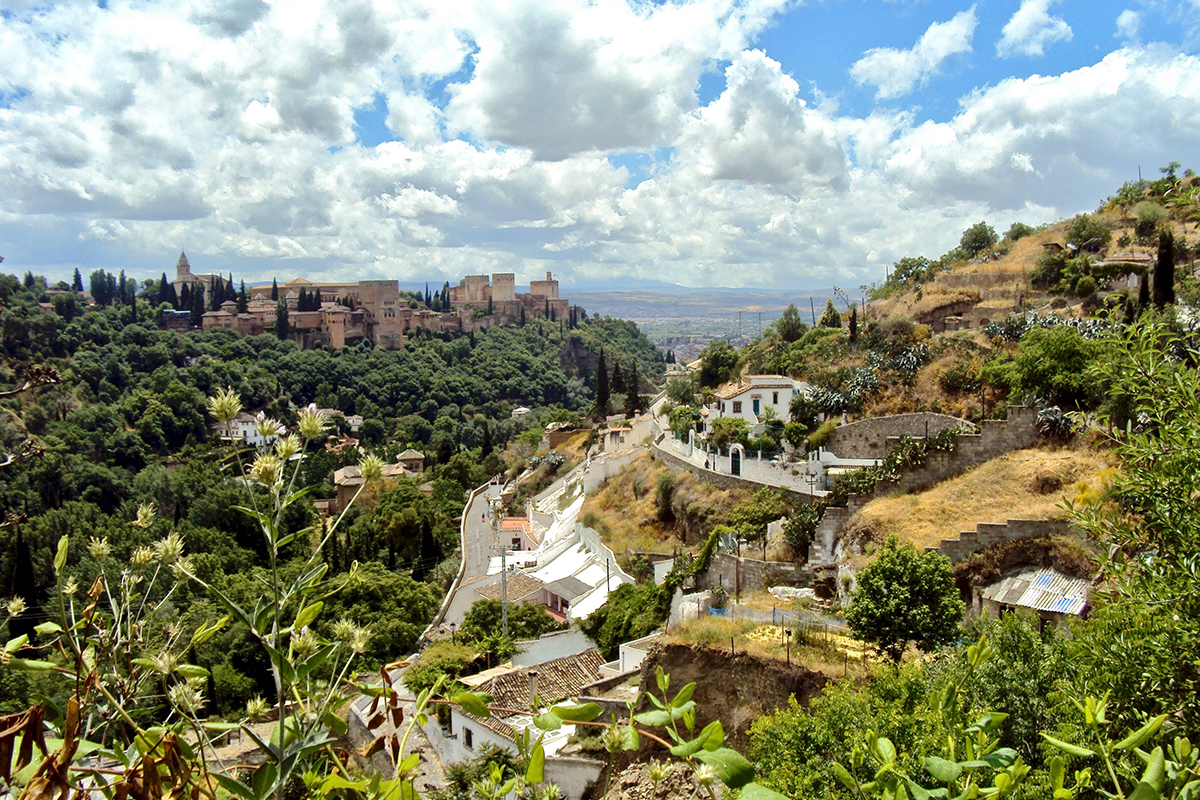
x,y
375,310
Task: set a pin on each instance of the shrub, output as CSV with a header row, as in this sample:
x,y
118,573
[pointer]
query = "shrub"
x,y
1048,269
962,377
821,436
1085,286
662,501
1083,228
977,238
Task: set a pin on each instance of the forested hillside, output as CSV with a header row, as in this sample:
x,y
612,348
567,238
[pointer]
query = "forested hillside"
x,y
126,425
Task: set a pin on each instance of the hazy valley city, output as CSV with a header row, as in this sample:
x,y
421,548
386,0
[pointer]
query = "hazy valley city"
x,y
600,400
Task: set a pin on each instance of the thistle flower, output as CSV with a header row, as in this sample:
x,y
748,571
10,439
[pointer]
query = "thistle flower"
x,y
549,791
312,422
16,606
267,469
186,698
268,427
183,568
257,709
305,643
165,662
142,558
371,468
99,548
657,770
225,406
70,587
343,629
288,447
706,775
145,516
168,550
358,640
612,739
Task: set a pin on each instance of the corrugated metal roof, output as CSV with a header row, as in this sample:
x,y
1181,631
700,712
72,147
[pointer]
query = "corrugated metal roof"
x,y
1043,589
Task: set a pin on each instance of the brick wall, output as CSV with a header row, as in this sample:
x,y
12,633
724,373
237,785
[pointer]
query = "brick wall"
x,y
868,438
987,534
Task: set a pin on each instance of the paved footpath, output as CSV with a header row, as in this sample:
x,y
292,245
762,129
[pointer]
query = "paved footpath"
x,y
477,552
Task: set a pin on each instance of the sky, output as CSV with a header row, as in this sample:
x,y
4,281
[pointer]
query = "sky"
x,y
762,143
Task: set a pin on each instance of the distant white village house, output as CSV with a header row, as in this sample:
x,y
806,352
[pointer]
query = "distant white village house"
x,y
751,395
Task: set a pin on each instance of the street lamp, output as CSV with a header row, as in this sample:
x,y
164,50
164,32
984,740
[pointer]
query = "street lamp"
x,y
452,627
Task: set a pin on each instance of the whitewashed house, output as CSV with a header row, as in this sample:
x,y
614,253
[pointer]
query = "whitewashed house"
x,y
243,429
750,396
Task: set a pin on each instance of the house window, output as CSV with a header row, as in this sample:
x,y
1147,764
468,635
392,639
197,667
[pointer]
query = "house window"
x,y
737,406
468,739
516,543
756,409
774,398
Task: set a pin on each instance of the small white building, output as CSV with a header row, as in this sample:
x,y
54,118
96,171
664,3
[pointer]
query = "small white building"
x,y
518,413
751,395
243,429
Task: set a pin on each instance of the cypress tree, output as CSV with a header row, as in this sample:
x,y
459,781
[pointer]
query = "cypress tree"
x,y
489,306
1143,292
185,297
547,308
242,301
163,289
633,402
428,297
215,290
28,279
316,301
274,290
617,382
172,295
523,323
853,323
282,328
487,438
602,390
1164,270
198,305
77,282
302,302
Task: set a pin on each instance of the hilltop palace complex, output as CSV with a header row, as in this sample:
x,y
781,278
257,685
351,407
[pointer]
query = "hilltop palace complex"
x,y
376,311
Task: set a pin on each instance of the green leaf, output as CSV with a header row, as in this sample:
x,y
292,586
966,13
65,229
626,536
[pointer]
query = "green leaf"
x,y
206,632
547,722
190,671
1138,737
756,791
661,718
578,713
30,666
884,750
335,723
336,782
684,695
1058,769
232,785
845,777
286,671
220,726
16,644
473,703
732,767
47,628
1068,748
409,763
1002,758
661,678
535,772
60,558
307,615
943,771
1150,786
711,738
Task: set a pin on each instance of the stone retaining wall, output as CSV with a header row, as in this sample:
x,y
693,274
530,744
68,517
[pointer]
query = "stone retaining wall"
x,y
987,534
870,438
753,575
725,481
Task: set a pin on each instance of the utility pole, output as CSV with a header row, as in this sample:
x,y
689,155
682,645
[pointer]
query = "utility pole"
x,y
813,309
503,566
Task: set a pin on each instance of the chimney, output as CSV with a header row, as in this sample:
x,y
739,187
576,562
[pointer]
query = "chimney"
x,y
548,276
532,686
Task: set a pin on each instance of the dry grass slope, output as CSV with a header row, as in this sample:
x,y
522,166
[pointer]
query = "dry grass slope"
x,y
623,510
1024,484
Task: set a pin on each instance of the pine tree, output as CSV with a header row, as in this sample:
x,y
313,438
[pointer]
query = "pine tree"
x,y
602,391
274,290
1164,270
77,282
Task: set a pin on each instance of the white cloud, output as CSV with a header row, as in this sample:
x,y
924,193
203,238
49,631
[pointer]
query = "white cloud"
x,y
897,72
568,76
760,132
1129,23
1031,30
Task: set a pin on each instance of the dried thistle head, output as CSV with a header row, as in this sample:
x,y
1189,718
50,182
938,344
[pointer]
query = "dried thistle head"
x,y
267,469
288,447
142,557
358,640
706,775
268,427
70,587
145,516
371,468
169,550
343,629
257,709
165,662
305,643
312,422
99,548
657,770
225,405
16,606
186,697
